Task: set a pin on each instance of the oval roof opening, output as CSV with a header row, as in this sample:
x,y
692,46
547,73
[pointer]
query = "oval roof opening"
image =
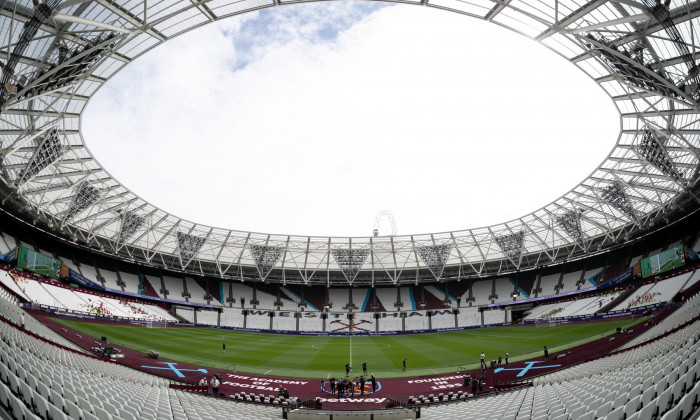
x,y
311,119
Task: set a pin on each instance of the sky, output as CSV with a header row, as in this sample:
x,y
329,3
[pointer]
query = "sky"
x,y
311,119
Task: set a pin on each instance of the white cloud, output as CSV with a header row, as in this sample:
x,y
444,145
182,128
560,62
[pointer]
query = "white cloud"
x,y
311,119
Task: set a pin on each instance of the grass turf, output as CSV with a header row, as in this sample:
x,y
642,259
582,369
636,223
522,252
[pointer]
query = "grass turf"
x,y
321,356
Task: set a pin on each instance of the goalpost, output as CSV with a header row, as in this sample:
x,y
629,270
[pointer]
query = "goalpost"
x,y
156,324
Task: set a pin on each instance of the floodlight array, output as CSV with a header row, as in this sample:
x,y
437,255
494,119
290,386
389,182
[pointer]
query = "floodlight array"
x,y
350,261
570,221
131,222
512,246
435,257
653,151
48,152
86,195
188,245
265,258
615,195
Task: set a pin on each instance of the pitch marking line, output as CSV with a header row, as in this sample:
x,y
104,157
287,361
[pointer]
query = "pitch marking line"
x,y
379,347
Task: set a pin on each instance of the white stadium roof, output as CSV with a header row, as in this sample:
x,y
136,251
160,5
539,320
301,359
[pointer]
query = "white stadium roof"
x,y
55,55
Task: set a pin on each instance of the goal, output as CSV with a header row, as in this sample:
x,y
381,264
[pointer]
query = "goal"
x,y
156,324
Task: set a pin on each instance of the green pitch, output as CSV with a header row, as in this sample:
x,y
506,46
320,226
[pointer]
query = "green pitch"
x,y
320,356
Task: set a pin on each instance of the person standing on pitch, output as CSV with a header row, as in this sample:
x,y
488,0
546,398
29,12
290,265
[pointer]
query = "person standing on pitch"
x,y
483,359
364,368
223,348
404,364
506,359
546,353
347,370
499,360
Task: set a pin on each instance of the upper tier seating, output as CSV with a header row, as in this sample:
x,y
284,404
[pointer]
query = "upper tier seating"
x,y
504,290
569,281
195,290
590,274
174,287
547,284
692,280
131,281
110,279
481,290
4,246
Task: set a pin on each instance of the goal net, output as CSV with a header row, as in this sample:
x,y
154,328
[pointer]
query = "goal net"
x,y
156,324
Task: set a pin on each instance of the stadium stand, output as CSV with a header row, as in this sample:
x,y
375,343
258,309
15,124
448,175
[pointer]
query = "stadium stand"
x,y
435,294
290,294
232,317
407,298
416,320
110,279
315,297
442,319
258,319
268,301
131,281
468,317
365,322
692,280
88,271
495,316
339,298
655,379
387,297
570,281
284,321
481,290
4,247
207,317
58,383
185,313
548,283
310,321
504,289
243,294
390,321
543,311
196,293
